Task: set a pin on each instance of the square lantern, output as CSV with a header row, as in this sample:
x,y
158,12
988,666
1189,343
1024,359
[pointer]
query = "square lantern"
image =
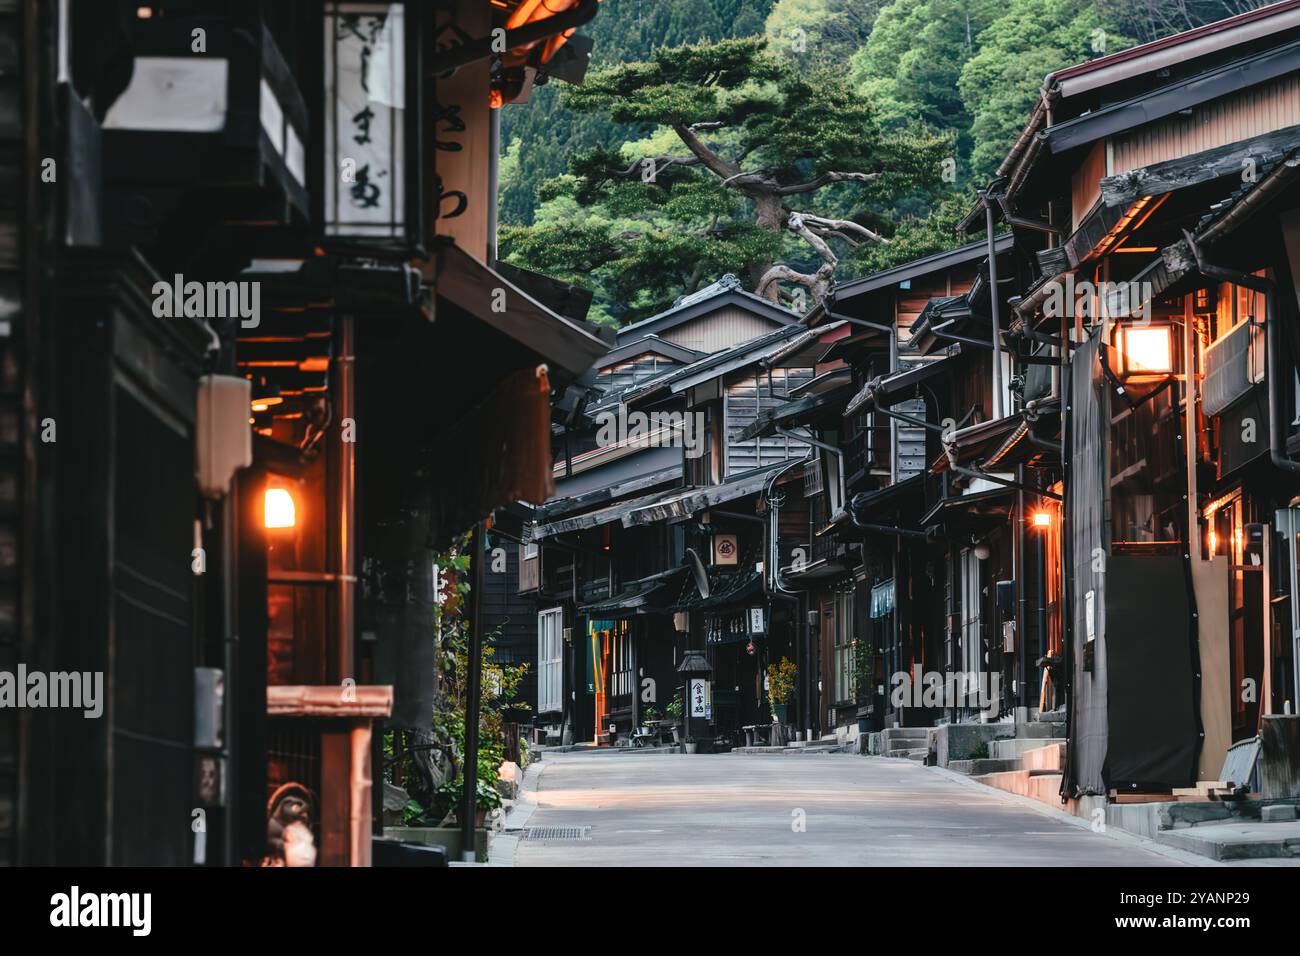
x,y
1144,350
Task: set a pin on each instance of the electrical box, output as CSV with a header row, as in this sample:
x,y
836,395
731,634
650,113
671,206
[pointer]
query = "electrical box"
x,y
223,433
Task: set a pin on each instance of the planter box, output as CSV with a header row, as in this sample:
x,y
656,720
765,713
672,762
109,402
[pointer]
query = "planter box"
x,y
448,837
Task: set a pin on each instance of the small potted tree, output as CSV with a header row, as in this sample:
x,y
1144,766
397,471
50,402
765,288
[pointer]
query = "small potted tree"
x,y
674,710
780,688
864,665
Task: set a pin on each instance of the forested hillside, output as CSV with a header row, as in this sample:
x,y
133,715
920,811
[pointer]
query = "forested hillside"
x,y
949,81
624,31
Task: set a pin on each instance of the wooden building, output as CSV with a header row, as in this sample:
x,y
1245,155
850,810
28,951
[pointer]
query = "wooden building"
x,y
250,245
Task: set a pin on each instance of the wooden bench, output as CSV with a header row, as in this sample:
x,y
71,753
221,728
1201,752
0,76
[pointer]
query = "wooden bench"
x,y
758,735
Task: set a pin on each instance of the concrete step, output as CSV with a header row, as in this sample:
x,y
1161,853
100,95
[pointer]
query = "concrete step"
x,y
983,766
1236,841
1014,748
1040,730
1049,759
906,733
915,753
1046,787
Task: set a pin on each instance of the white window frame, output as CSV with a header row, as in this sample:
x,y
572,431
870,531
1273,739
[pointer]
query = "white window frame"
x,y
550,660
972,647
844,609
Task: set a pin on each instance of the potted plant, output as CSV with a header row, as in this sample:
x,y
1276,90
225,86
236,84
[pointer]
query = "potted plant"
x,y
674,710
486,798
863,678
651,716
690,745
780,687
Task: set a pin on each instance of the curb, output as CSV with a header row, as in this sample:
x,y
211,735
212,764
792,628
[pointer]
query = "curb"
x,y
1111,832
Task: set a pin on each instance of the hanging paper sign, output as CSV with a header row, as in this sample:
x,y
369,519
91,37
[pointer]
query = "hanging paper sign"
x,y
701,699
365,99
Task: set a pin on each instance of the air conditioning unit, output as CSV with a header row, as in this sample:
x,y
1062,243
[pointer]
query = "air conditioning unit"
x,y
1234,365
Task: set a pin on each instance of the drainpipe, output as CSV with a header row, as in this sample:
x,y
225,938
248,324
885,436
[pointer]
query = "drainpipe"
x,y
1276,448
994,305
809,440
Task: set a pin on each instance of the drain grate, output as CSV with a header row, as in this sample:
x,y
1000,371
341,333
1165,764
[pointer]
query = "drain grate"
x,y
557,833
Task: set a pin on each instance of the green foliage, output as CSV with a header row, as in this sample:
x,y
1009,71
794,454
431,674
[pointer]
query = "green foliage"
x,y
918,236
914,57
781,681
675,707
1030,39
890,87
820,33
864,663
499,690
623,31
654,220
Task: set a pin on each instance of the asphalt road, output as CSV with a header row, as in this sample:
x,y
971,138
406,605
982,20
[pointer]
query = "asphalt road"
x,y
824,810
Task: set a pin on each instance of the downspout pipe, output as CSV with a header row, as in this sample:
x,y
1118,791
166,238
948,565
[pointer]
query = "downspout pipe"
x,y
1276,449
995,305
817,443
886,529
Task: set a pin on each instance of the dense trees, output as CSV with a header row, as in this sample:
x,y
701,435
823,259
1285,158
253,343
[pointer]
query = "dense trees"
x,y
756,136
880,88
625,31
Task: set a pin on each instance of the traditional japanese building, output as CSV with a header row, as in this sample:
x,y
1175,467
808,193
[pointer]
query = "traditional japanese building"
x,y
1167,274
252,243
652,545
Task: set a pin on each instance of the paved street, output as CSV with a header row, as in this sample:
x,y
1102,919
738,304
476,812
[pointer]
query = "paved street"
x,y
744,810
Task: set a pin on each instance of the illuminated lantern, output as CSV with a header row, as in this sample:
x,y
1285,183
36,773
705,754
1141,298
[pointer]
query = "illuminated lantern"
x,y
1145,350
279,508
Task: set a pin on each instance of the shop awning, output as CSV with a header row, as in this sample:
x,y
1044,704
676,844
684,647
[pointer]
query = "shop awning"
x,y
818,570
593,519
906,496
461,279
973,511
726,588
946,316
687,503
635,600
802,411
1004,442
886,392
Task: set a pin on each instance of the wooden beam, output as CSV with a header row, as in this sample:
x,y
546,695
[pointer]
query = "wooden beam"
x,y
1240,158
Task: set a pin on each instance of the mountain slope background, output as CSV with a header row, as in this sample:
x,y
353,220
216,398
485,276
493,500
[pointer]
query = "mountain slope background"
x,y
966,69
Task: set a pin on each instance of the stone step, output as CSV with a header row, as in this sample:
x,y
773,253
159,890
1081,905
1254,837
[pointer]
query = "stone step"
x,y
906,733
916,753
1046,787
1040,730
1047,759
982,766
1236,841
1014,748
